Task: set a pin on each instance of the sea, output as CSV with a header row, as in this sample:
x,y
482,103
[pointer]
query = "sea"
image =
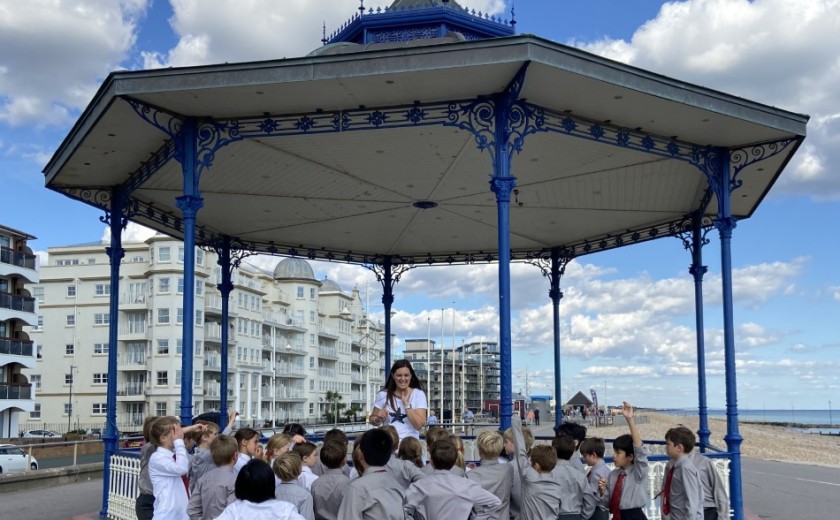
x,y
809,421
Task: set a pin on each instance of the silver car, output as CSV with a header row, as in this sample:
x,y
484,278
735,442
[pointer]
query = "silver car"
x,y
13,459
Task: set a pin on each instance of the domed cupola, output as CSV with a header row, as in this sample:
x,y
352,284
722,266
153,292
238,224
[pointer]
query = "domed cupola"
x,y
294,268
328,285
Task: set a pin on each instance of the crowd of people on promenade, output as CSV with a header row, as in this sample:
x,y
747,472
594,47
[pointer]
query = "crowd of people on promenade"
x,y
198,472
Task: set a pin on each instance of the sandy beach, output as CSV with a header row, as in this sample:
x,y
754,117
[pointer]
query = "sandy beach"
x,y
761,441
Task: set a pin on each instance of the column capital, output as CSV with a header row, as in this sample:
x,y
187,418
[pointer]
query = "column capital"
x,y
725,225
189,205
502,187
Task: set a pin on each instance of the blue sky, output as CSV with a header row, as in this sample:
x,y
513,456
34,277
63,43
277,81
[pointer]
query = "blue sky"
x,y
628,314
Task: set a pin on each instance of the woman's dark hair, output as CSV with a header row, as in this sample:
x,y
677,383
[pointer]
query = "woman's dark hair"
x,y
294,429
391,384
255,482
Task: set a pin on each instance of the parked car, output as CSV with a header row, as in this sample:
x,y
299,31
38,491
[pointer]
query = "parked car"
x,y
132,440
40,434
14,459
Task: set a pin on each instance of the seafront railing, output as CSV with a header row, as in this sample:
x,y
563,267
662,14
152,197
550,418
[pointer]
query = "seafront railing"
x,y
125,469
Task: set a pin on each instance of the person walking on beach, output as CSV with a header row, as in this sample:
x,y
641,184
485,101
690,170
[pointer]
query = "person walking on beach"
x,y
536,416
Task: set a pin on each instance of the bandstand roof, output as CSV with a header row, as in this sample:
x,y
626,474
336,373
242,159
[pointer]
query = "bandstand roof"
x,y
290,180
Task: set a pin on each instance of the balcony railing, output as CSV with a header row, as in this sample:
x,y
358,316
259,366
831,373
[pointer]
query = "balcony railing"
x,y
134,388
10,256
326,372
327,352
17,303
9,391
15,347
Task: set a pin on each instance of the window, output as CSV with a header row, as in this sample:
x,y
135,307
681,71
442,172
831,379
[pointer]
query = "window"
x,y
40,352
311,361
91,261
198,347
98,409
40,322
312,384
178,377
199,287
199,256
101,318
74,261
38,293
181,253
160,408
180,285
179,346
311,293
68,379
36,413
199,317
311,316
163,284
67,408
71,320
312,340
103,289
179,318
311,408
164,255
197,378
163,315
35,379
69,349
162,378
163,346
100,378
300,292
100,348
71,291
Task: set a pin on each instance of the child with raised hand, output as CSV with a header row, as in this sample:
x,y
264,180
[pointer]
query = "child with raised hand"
x,y
169,466
202,460
254,491
592,450
624,491
144,505
277,445
444,495
210,496
492,475
682,493
287,468
541,493
375,495
510,452
308,452
328,489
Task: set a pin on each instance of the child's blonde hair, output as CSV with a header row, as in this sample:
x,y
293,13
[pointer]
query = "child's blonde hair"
x,y
490,444
459,446
412,451
275,443
162,427
526,434
392,432
287,466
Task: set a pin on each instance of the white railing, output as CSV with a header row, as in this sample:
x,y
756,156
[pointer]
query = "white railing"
x,y
122,488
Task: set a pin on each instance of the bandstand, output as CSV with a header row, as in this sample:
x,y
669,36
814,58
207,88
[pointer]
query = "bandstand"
x,y
425,135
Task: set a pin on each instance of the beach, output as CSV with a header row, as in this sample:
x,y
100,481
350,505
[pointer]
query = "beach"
x,y
761,441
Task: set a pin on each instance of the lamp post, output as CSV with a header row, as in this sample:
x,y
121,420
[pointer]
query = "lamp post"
x,y
429,358
463,376
273,377
453,363
442,356
481,375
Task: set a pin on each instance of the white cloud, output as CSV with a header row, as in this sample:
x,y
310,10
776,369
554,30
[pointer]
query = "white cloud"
x,y
78,41
132,233
777,52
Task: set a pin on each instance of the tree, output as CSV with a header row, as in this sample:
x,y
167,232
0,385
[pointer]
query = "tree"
x,y
337,401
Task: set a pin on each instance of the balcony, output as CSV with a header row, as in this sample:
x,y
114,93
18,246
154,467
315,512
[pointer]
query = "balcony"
x,y
327,352
357,378
18,392
17,303
17,258
213,305
15,347
133,389
326,372
213,333
132,301
289,394
327,332
132,362
213,362
290,370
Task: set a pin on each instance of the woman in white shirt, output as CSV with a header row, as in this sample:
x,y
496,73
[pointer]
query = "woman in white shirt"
x,y
403,403
254,490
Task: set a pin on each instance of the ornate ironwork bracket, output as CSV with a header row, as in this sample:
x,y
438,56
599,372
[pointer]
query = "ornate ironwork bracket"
x,y
238,250
552,262
685,232
399,265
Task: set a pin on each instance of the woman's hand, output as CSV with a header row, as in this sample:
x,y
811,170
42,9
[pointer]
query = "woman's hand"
x,y
406,396
377,417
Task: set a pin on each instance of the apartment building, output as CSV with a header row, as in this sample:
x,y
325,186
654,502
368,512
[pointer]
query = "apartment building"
x,y
469,373
291,338
17,311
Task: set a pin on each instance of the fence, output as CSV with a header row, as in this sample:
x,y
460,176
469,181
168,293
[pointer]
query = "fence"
x,y
122,488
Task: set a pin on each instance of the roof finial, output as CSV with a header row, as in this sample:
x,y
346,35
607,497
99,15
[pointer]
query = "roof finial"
x,y
361,7
324,33
513,15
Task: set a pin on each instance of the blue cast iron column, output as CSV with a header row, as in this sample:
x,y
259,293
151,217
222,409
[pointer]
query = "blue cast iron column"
x,y
115,253
225,288
387,302
725,223
556,295
697,270
189,204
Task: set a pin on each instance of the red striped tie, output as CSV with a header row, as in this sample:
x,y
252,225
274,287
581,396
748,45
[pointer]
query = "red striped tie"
x,y
666,492
615,497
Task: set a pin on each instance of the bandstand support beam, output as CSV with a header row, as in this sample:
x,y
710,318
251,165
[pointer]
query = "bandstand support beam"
x,y
115,252
387,303
697,270
556,295
225,288
189,203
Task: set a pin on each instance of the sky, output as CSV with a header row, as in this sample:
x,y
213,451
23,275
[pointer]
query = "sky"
x,y
627,315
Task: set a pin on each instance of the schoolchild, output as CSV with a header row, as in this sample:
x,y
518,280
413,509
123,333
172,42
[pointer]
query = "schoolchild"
x,y
375,495
624,491
510,451
492,475
578,433
328,489
247,439
434,434
715,497
216,489
144,505
277,444
202,460
308,452
403,471
332,436
412,451
578,500
592,450
541,493
169,467
444,495
254,490
460,466
287,468
682,493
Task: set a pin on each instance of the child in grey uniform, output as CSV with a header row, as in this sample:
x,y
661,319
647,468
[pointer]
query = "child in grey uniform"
x,y
593,450
216,489
444,495
682,494
328,489
541,493
287,468
375,495
510,451
403,471
624,491
578,501
715,498
492,475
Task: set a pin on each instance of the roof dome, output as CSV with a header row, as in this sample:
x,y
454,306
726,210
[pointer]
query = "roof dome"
x,y
294,268
328,285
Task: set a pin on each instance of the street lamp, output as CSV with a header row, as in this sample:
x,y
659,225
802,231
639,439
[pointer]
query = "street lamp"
x,y
429,358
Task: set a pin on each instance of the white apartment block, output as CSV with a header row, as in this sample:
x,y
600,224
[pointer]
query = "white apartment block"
x,y
291,338
17,311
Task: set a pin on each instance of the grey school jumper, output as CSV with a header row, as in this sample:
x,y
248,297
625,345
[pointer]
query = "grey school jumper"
x,y
496,478
634,490
212,494
714,492
576,496
375,495
686,491
444,495
541,493
327,493
296,495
